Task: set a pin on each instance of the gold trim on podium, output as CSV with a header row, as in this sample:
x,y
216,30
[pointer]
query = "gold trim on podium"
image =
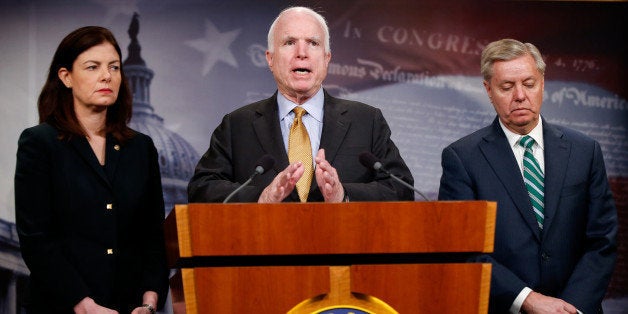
x,y
489,226
183,225
189,290
340,296
485,287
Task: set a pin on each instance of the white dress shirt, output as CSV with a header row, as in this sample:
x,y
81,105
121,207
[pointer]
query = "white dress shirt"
x,y
518,150
313,120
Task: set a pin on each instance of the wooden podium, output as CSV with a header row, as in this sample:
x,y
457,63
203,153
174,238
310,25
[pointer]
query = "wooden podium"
x,y
369,257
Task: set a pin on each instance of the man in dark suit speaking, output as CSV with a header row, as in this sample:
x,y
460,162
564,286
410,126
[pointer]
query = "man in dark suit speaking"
x,y
555,236
315,138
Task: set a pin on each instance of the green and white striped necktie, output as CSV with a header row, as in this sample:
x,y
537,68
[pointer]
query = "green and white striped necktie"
x,y
533,178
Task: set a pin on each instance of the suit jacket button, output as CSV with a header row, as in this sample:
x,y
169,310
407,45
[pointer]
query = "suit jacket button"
x,y
545,256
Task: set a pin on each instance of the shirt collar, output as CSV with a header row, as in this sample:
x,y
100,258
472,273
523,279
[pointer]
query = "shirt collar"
x,y
536,134
313,106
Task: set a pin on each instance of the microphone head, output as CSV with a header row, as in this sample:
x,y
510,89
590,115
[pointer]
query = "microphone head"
x,y
264,163
368,160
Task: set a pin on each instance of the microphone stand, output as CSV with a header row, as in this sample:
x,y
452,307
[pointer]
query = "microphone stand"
x,y
404,183
241,187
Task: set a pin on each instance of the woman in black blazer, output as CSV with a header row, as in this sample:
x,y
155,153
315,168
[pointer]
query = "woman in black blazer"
x,y
88,197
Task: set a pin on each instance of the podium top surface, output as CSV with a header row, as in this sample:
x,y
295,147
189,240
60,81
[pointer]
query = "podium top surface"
x,y
306,229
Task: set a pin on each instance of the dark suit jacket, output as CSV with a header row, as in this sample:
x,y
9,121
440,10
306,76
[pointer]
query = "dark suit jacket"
x,y
248,133
66,227
573,257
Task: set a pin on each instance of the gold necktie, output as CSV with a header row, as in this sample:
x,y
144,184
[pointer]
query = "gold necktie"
x,y
300,149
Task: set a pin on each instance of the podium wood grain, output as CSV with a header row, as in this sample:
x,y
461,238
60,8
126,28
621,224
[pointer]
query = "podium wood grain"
x,y
199,234
321,228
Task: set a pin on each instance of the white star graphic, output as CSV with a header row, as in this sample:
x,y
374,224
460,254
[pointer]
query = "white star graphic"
x,y
118,7
215,46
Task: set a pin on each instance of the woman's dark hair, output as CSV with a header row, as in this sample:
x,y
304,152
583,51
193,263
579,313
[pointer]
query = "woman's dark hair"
x,y
56,104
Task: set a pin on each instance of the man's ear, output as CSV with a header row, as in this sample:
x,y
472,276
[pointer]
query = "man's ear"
x,y
269,60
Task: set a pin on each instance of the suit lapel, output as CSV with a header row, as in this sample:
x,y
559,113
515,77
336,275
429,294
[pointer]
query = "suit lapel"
x,y
335,126
556,155
268,131
498,153
86,153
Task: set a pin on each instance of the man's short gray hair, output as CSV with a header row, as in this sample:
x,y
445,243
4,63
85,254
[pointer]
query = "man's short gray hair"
x,y
317,16
506,50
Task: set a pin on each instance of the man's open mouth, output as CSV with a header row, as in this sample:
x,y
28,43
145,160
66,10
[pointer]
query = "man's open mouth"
x,y
301,71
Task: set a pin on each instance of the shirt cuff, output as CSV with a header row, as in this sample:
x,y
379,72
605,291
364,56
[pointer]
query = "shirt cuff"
x,y
515,308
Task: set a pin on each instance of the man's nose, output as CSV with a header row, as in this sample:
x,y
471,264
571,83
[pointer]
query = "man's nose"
x,y
519,93
301,50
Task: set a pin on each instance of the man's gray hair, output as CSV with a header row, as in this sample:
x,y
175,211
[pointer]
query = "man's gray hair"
x,y
317,16
506,50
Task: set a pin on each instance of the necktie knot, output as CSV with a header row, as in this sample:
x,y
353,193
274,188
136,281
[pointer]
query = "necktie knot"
x,y
526,141
299,112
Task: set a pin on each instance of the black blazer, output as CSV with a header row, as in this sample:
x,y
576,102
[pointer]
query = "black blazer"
x,y
574,256
248,133
86,229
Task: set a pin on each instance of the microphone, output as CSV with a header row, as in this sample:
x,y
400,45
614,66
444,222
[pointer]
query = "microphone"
x,y
262,165
368,160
